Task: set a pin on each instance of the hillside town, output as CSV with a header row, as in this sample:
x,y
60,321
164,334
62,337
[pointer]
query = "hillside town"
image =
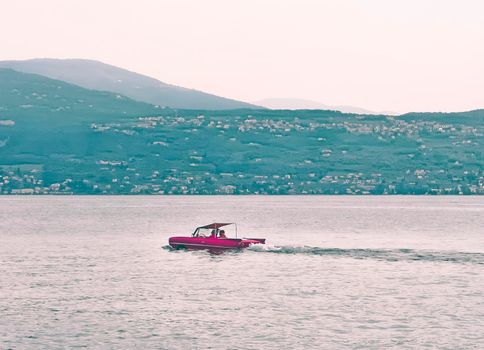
x,y
250,155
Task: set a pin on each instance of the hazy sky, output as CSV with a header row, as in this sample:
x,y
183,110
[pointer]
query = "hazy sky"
x,y
377,54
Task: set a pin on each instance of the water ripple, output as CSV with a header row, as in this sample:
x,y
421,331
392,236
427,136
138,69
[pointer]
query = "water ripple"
x,y
379,254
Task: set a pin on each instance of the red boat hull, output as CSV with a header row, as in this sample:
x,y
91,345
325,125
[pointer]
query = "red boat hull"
x,y
212,242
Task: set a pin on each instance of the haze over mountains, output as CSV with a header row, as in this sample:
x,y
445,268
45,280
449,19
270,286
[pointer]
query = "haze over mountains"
x,y
298,103
96,75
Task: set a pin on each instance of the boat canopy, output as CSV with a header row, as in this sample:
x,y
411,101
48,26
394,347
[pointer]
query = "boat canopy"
x,y
216,225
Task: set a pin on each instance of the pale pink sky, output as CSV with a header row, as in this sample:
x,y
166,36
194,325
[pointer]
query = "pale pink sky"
x,y
408,55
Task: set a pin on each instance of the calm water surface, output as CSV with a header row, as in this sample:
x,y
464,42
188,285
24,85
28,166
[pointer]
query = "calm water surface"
x,y
337,272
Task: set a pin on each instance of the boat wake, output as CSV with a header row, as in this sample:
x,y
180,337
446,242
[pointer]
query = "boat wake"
x,y
378,254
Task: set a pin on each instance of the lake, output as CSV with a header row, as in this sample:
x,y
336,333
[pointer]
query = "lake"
x,y
337,272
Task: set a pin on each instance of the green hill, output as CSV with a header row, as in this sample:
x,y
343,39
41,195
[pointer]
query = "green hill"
x,y
60,138
33,96
100,76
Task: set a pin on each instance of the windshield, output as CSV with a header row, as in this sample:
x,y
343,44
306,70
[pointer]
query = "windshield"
x,y
205,232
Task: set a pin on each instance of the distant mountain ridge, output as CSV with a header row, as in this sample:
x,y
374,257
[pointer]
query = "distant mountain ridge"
x,y
31,96
96,75
298,103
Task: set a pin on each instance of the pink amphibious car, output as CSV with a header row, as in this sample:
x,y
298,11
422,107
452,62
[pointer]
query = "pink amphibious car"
x,y
211,237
